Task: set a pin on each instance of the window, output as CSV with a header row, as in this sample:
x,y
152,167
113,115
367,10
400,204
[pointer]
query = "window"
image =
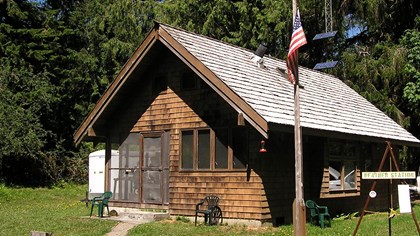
x,y
187,150
206,149
222,149
341,163
342,175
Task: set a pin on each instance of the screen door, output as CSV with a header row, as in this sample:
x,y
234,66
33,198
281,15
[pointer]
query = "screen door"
x,y
155,168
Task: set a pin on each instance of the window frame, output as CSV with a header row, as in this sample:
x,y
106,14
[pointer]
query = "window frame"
x,y
181,149
343,175
212,149
343,152
197,146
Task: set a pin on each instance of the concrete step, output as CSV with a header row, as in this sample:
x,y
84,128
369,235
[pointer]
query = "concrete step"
x,y
137,215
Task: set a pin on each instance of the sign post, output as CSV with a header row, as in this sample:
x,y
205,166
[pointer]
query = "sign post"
x,y
389,175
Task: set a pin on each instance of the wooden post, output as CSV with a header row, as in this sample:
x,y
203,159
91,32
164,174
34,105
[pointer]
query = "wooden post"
x,y
302,222
415,220
299,218
390,204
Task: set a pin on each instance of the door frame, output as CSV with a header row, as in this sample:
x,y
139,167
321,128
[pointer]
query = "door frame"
x,y
165,145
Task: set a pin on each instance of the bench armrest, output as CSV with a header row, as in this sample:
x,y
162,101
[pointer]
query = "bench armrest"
x,y
97,199
323,210
197,207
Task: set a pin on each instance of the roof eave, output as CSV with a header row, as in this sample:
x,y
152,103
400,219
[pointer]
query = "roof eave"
x,y
340,135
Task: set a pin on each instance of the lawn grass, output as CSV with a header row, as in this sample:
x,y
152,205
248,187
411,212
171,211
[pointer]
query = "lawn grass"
x,y
59,210
56,210
372,225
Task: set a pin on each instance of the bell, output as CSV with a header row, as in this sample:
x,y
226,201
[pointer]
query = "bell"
x,y
262,149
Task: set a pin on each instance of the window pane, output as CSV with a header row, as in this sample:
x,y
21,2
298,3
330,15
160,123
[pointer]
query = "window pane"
x,y
221,149
335,175
129,152
204,149
238,163
349,175
187,149
152,152
240,148
125,169
152,189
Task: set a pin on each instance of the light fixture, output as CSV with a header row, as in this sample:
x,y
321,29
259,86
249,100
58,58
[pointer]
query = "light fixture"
x,y
262,149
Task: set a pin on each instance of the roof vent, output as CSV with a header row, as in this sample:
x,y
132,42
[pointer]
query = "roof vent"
x,y
257,58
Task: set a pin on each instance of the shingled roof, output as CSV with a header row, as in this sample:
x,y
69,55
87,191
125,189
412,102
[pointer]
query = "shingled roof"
x,y
327,104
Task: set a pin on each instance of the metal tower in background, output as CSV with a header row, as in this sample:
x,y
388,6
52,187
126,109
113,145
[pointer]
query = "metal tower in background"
x,y
328,16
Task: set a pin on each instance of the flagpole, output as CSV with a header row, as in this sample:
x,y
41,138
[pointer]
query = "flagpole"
x,y
299,206
300,217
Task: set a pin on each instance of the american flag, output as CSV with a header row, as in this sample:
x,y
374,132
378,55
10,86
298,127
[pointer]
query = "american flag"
x,y
298,40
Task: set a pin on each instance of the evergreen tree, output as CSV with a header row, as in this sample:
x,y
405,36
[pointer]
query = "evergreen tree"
x,y
58,57
411,70
27,94
243,23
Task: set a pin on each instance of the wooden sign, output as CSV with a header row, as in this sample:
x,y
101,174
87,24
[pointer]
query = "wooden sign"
x,y
389,175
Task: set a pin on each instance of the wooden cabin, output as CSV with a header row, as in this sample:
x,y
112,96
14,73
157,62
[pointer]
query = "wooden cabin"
x,y
188,114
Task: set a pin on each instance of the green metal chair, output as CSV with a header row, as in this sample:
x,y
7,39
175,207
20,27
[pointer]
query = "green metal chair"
x,y
318,214
211,211
101,202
